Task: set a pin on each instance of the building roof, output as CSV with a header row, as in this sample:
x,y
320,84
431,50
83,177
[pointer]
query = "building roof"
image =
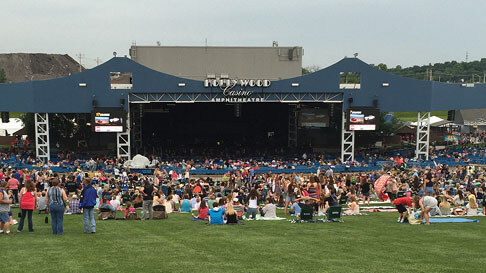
x,y
81,92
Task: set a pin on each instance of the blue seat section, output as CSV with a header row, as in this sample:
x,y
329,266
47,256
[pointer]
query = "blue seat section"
x,y
452,157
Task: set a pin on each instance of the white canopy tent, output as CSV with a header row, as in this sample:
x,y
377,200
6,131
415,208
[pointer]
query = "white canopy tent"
x,y
14,124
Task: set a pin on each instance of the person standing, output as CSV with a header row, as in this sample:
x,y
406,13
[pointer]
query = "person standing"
x,y
13,185
55,205
88,202
148,200
4,208
28,200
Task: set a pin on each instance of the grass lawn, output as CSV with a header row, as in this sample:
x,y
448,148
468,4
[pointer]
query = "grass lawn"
x,y
372,243
412,116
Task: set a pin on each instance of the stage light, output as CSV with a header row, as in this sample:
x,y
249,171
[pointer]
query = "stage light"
x,y
295,84
82,84
385,84
181,84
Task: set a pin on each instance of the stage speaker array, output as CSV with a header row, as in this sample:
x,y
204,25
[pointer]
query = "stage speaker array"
x,y
5,117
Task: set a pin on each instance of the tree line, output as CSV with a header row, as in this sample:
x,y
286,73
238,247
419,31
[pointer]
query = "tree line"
x,y
451,71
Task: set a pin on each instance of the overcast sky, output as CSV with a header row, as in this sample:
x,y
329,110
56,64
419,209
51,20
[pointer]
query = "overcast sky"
x,y
381,31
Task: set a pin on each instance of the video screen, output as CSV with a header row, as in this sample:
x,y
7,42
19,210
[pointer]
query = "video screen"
x,y
314,117
109,120
363,119
121,80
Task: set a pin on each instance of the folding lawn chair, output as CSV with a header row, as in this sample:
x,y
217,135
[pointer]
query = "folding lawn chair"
x,y
333,214
306,214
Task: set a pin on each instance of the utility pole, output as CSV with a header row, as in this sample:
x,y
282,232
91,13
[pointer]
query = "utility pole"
x,y
80,57
467,56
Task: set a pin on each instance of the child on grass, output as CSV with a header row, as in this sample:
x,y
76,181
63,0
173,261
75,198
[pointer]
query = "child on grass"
x,y
129,210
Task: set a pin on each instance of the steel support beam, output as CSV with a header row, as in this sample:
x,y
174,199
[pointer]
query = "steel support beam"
x,y
347,142
42,150
423,135
218,97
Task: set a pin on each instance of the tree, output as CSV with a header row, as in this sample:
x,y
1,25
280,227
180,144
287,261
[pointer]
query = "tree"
x,y
310,69
3,76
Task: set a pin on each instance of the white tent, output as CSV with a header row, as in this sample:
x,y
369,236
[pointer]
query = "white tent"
x,y
7,129
433,119
138,162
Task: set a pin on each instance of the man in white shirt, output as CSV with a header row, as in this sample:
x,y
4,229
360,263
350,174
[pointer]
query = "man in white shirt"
x,y
115,203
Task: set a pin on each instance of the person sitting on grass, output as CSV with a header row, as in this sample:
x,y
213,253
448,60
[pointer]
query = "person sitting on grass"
x,y
138,201
402,204
42,202
230,214
444,205
129,210
106,206
472,205
482,200
270,210
239,208
458,204
186,204
295,209
330,200
211,201
169,204
216,215
202,212
353,206
74,205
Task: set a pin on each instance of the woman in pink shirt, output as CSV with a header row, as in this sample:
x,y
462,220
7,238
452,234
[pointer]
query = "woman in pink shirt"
x,y
13,185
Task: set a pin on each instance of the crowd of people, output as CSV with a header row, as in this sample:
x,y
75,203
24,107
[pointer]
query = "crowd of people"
x,y
237,195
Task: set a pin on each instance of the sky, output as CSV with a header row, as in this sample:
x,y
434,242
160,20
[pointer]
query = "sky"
x,y
406,33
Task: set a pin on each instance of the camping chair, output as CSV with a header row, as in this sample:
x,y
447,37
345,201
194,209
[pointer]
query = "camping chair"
x,y
333,214
343,199
306,214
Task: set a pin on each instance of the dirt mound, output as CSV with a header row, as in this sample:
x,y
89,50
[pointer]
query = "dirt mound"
x,y
22,67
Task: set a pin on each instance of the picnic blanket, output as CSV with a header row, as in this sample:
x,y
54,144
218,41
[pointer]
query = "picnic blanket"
x,y
452,215
259,217
377,207
452,220
380,210
352,214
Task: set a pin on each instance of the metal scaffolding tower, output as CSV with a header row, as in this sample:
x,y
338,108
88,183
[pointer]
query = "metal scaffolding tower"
x,y
123,142
42,136
423,135
292,133
347,142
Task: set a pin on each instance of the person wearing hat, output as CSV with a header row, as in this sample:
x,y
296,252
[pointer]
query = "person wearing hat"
x,y
74,205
